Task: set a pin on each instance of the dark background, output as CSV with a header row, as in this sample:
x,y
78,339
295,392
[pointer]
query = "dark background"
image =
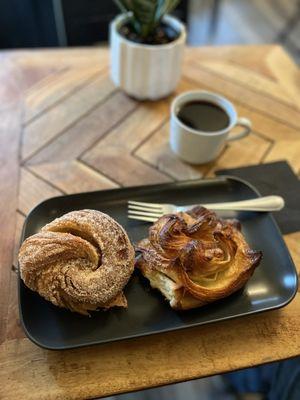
x,y
51,23
44,23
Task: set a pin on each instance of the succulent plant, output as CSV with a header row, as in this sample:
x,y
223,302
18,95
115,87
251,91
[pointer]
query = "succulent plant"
x,y
146,14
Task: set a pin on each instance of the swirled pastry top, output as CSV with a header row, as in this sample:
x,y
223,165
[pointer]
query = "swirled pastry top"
x,y
80,261
195,258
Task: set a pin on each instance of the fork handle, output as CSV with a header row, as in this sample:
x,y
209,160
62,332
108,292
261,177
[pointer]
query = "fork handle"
x,y
267,203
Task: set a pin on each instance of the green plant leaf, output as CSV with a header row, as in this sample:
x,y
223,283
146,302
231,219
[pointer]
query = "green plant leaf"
x,y
147,14
144,15
164,7
123,5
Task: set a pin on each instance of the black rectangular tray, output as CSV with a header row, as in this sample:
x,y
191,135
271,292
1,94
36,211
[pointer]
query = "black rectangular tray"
x,y
273,284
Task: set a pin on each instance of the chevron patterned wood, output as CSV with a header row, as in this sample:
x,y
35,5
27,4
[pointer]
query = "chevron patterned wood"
x,y
65,128
59,85
85,132
251,97
156,151
72,176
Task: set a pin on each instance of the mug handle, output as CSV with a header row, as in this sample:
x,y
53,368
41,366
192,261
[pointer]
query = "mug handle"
x,y
246,123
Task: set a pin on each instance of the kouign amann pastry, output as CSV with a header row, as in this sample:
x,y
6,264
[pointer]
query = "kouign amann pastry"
x,y
195,258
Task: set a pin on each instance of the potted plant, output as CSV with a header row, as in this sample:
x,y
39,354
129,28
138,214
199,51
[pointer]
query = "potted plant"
x,y
146,48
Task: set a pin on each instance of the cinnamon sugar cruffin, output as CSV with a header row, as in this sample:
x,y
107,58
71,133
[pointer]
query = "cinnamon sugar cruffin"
x,y
80,261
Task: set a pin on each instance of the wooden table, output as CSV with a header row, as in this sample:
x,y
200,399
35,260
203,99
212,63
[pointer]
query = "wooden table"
x,y
65,128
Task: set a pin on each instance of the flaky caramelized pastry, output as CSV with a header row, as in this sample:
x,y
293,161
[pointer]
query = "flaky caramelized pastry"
x,y
80,261
194,258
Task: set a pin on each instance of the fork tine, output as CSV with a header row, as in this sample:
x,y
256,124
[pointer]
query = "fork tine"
x,y
139,208
146,214
143,204
147,219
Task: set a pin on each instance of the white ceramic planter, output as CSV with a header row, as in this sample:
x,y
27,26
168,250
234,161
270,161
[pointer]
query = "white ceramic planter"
x,y
146,71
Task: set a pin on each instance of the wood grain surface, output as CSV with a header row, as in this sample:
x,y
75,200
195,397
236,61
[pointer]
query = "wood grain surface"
x,y
64,128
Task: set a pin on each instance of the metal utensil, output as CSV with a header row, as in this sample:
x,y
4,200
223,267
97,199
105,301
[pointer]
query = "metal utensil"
x,y
152,211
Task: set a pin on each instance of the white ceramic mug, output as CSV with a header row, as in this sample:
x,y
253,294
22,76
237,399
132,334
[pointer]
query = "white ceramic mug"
x,y
199,147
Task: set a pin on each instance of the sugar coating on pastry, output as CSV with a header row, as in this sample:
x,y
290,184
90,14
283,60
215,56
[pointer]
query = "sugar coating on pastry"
x,y
195,258
80,261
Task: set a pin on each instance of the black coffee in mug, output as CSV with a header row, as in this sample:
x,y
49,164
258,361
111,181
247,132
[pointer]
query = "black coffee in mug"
x,y
203,116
